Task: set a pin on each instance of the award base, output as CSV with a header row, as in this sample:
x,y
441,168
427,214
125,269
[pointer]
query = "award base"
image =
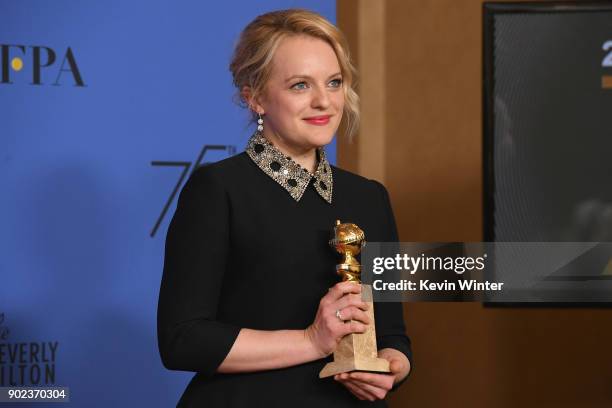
x,y
357,351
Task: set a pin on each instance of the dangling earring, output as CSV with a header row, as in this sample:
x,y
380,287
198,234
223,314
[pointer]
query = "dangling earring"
x,y
259,123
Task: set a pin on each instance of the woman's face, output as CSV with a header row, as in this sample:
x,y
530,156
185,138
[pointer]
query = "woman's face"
x,y
303,99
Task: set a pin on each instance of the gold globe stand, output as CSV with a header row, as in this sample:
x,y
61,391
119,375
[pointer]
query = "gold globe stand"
x,y
356,351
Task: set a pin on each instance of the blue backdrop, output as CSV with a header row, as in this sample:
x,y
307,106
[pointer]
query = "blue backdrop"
x,y
106,106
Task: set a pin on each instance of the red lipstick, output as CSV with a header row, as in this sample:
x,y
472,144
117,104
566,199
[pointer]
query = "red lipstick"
x,y
318,120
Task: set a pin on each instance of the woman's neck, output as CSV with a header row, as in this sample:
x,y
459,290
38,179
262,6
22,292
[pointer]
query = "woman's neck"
x,y
307,158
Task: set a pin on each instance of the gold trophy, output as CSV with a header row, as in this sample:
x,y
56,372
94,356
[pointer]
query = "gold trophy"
x,y
356,351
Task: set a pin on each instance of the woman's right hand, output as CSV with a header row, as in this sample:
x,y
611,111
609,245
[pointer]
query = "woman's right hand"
x,y
328,328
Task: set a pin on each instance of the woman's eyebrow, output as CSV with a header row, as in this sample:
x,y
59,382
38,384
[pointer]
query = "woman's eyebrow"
x,y
308,77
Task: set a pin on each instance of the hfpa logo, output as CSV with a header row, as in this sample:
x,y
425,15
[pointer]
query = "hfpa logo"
x,y
15,57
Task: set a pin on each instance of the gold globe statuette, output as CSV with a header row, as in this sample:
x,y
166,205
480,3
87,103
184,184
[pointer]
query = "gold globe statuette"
x,y
356,351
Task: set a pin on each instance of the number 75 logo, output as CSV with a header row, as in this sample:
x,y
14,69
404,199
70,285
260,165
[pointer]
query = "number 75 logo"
x,y
230,149
607,61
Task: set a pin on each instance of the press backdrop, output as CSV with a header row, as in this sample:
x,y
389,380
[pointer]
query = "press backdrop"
x,y
105,109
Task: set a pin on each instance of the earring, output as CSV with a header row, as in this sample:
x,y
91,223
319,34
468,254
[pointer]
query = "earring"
x,y
259,123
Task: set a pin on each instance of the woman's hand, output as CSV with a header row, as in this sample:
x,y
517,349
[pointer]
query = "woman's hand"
x,y
341,311
371,386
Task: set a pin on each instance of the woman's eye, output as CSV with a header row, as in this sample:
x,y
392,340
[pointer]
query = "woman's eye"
x,y
299,86
336,83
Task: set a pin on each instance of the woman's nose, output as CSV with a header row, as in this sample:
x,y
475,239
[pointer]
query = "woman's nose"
x,y
320,98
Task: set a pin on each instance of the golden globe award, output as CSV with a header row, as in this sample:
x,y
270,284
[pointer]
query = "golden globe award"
x,y
356,351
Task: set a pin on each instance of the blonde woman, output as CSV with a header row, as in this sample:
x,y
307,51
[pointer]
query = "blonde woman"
x,y
249,299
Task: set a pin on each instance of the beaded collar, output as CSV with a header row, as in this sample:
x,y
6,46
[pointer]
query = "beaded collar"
x,y
290,175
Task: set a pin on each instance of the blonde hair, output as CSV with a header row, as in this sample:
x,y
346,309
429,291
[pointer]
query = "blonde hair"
x,y
251,62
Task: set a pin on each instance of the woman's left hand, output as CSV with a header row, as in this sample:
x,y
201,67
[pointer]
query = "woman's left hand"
x,y
372,386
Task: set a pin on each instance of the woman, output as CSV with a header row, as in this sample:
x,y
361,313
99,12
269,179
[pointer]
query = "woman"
x,y
249,298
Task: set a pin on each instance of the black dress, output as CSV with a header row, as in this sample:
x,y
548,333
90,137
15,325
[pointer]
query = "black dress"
x,y
248,248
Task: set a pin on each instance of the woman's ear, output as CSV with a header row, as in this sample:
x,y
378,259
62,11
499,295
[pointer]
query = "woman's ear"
x,y
251,100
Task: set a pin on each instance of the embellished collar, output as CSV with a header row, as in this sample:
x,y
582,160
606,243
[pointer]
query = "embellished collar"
x,y
286,172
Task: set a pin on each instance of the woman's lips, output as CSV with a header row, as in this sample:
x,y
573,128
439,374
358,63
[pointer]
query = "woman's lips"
x,y
318,120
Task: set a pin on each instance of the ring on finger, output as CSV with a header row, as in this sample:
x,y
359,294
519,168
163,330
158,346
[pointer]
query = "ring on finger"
x,y
338,315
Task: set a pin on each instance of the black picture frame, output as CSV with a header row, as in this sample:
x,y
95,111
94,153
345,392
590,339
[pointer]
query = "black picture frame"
x,y
489,11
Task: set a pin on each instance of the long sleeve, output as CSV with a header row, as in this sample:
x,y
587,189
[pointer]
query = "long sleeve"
x,y
390,328
197,244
